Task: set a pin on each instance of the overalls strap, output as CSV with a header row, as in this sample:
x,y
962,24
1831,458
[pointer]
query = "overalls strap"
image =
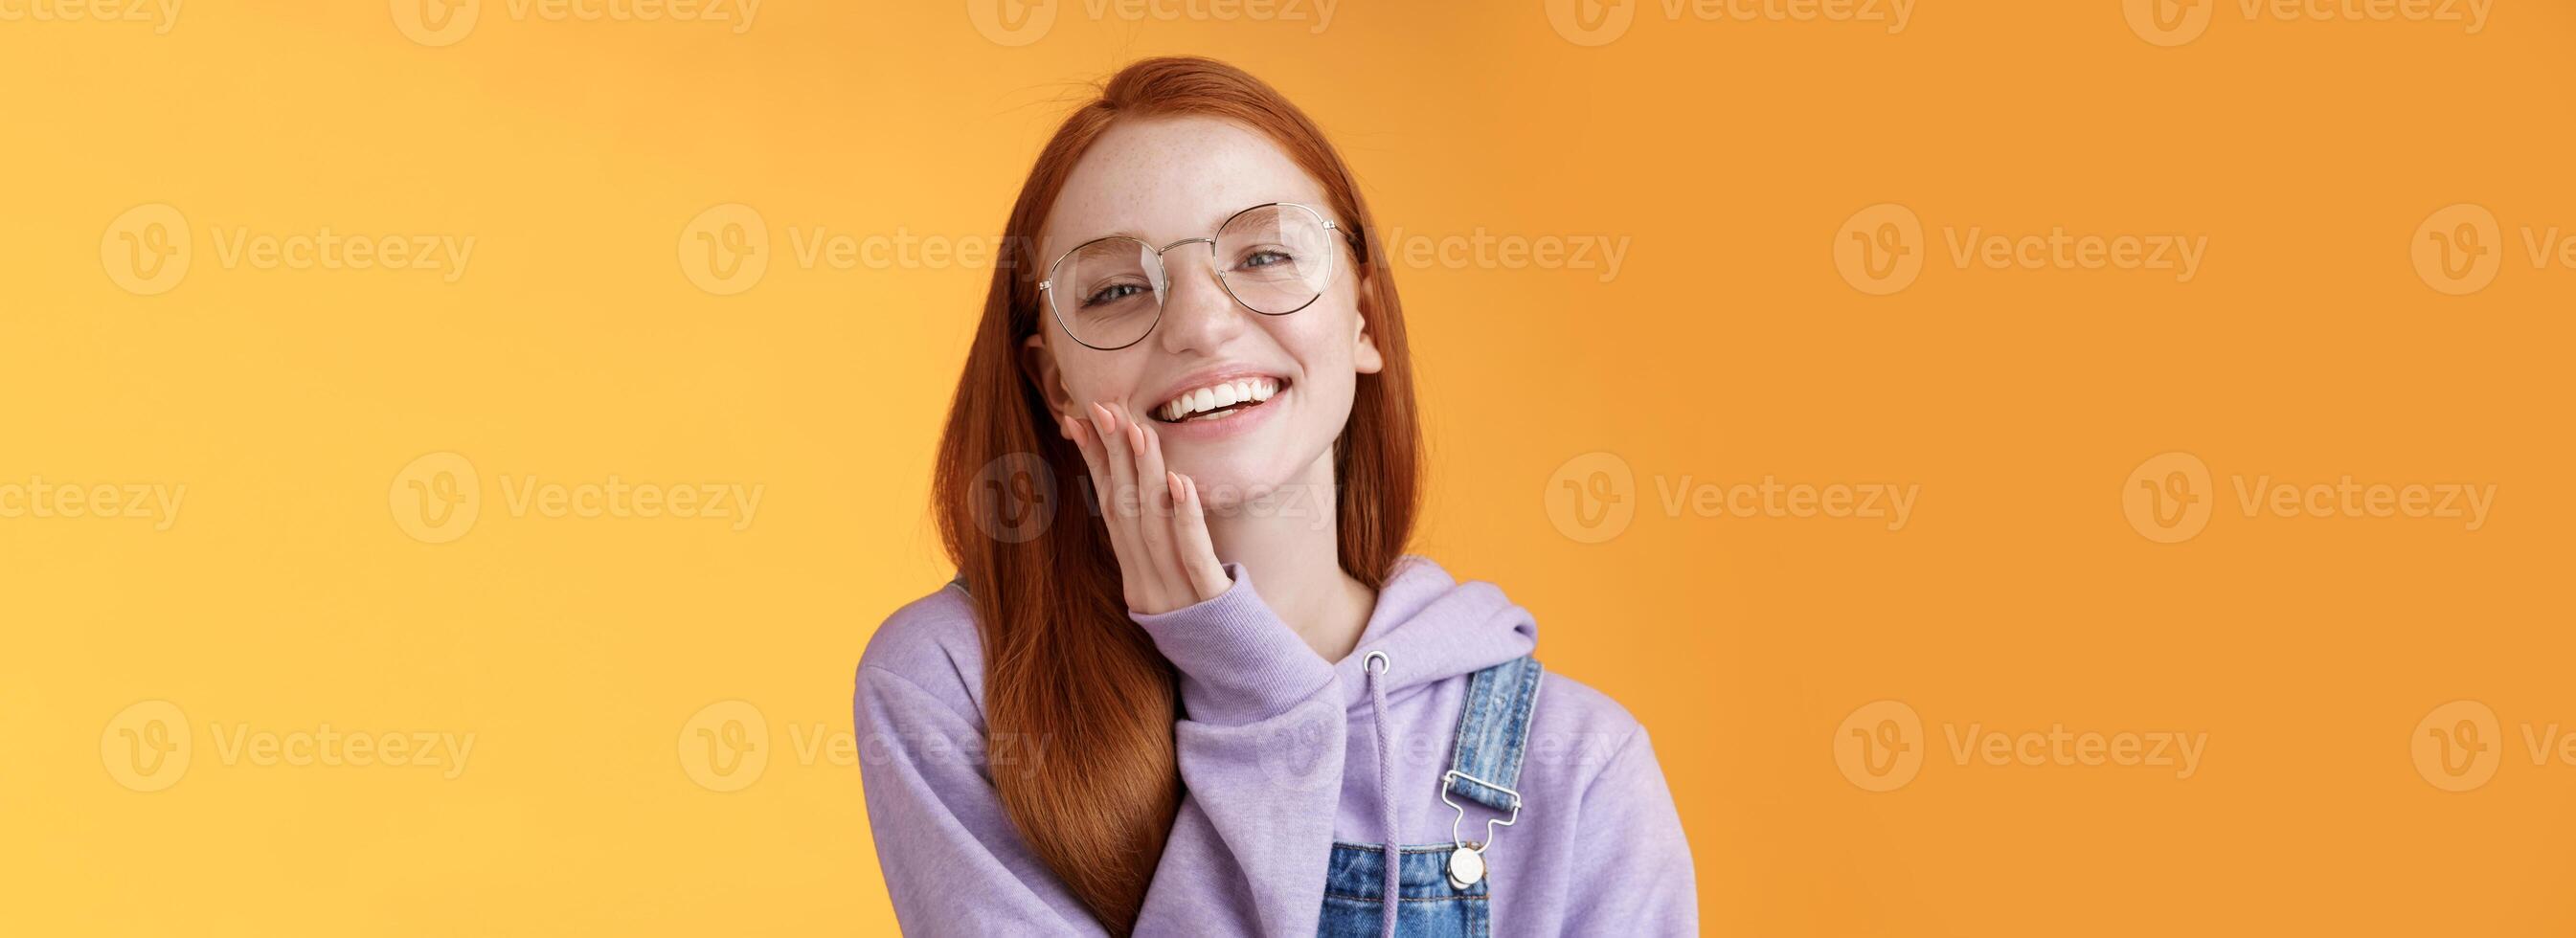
x,y
1493,727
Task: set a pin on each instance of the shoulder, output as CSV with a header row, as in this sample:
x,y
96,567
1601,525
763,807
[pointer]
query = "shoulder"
x,y
932,644
1576,731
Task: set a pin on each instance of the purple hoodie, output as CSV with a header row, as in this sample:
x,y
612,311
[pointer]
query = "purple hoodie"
x,y
1279,758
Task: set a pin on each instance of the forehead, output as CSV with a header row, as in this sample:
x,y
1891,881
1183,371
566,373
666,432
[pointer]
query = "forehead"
x,y
1167,178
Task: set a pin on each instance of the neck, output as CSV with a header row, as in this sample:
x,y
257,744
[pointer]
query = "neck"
x,y
1290,540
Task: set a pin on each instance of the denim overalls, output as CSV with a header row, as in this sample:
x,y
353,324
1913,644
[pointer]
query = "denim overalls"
x,y
1442,888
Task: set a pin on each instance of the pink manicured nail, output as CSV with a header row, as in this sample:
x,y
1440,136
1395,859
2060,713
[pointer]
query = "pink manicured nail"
x,y
1174,479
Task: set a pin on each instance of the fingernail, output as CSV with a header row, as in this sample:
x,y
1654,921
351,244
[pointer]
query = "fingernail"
x,y
1108,421
1174,479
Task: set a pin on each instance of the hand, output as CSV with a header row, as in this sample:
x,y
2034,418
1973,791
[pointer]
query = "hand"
x,y
1155,522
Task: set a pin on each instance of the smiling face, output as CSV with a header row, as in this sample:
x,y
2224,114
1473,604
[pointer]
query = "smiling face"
x,y
1242,401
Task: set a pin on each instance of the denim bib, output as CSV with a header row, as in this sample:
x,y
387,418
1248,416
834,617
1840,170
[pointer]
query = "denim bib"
x,y
1445,889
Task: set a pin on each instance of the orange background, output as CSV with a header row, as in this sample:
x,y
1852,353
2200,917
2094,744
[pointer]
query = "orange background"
x,y
292,590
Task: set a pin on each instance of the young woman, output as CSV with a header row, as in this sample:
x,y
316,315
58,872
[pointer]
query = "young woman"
x,y
1191,380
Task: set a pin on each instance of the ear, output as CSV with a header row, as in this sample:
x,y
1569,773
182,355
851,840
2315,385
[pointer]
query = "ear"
x,y
1365,357
1039,365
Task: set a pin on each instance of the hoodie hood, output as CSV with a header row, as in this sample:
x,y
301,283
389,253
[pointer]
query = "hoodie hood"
x,y
1290,765
1433,628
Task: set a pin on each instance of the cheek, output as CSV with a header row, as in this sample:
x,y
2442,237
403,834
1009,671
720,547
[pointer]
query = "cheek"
x,y
1090,375
1321,347
1321,343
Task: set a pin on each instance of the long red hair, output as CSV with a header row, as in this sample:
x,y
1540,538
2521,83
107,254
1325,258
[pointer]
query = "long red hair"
x,y
1064,666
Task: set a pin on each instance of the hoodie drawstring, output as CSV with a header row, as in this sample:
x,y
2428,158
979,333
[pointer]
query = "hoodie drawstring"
x,y
1377,664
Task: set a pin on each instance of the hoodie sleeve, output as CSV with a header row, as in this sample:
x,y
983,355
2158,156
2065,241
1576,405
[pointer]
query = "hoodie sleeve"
x,y
1260,753
1260,747
1628,813
953,863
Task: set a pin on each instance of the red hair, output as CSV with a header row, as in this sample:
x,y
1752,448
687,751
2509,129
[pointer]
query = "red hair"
x,y
1064,665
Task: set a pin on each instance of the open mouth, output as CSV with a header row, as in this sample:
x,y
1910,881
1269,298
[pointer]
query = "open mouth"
x,y
1219,401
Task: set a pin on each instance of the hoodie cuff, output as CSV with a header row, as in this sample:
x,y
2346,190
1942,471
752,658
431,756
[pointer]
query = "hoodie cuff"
x,y
1238,662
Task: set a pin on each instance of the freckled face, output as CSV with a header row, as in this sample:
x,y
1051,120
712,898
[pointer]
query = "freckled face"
x,y
1163,180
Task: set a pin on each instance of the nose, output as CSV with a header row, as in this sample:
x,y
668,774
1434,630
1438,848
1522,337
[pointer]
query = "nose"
x,y
1198,315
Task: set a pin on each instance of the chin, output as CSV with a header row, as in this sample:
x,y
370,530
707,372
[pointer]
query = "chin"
x,y
1233,474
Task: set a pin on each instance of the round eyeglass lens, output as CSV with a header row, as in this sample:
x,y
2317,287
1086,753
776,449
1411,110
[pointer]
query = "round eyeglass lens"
x,y
1107,293
1276,259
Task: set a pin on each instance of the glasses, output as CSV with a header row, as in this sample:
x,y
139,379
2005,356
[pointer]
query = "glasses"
x,y
1275,259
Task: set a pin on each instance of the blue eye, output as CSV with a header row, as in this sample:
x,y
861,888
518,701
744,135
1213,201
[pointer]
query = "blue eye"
x,y
1112,293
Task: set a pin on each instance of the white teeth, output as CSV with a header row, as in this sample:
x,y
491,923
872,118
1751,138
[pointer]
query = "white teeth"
x,y
1224,394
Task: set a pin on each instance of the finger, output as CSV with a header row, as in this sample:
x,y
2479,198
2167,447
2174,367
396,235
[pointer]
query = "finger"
x,y
1197,552
1095,443
1122,464
1087,441
1155,525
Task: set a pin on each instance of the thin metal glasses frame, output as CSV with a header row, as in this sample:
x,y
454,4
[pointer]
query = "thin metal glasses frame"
x,y
1046,287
